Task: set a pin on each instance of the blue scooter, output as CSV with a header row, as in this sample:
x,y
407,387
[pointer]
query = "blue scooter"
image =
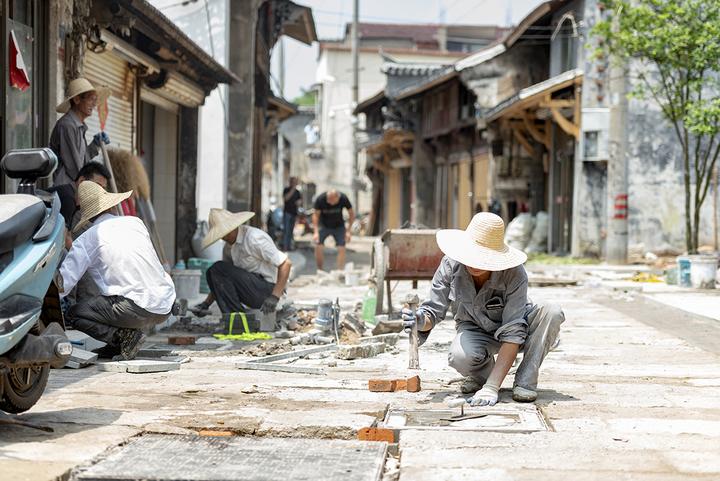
x,y
32,331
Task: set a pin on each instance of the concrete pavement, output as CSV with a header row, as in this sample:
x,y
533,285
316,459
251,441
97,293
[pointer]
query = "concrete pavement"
x,y
623,400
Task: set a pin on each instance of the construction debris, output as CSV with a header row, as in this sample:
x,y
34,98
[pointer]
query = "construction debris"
x,y
81,358
361,351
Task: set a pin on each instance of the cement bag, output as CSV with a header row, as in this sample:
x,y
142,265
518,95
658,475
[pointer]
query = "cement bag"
x,y
519,230
539,237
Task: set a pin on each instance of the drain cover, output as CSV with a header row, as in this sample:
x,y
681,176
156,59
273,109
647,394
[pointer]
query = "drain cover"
x,y
511,418
195,458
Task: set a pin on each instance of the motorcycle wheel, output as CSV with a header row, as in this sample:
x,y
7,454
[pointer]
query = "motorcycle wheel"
x,y
23,387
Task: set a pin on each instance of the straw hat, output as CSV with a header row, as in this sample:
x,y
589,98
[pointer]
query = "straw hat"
x,y
80,86
94,200
481,245
223,222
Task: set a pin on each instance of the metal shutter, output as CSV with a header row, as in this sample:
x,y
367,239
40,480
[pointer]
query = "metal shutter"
x,y
112,71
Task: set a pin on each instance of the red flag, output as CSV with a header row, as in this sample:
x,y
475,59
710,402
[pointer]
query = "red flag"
x,y
18,73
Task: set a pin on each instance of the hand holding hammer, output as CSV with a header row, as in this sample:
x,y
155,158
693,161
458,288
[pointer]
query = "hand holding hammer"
x,y
409,315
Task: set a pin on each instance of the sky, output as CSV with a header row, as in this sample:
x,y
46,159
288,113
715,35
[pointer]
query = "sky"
x,y
331,16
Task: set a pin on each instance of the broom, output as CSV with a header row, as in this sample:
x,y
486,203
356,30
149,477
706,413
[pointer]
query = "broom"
x,y
130,174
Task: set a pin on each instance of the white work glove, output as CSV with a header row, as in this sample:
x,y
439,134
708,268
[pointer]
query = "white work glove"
x,y
487,396
409,320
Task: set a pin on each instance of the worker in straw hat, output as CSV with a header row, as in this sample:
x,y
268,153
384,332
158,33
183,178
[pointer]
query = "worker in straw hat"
x,y
485,279
67,139
134,290
259,271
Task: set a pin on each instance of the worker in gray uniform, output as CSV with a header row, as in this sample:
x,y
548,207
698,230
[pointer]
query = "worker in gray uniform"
x,y
485,279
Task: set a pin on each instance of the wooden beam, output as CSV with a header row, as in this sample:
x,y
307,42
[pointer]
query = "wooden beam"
x,y
534,132
578,100
560,104
569,127
523,141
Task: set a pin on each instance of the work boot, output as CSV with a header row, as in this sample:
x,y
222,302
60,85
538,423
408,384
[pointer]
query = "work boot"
x,y
129,341
107,351
470,386
522,395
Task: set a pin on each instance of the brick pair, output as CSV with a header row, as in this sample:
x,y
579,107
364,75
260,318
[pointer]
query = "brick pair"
x,y
411,384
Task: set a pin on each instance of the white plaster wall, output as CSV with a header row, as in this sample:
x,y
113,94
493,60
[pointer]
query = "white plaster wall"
x,y
212,141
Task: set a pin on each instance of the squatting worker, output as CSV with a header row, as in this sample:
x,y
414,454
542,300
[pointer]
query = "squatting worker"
x,y
67,139
328,221
135,292
486,280
69,207
258,273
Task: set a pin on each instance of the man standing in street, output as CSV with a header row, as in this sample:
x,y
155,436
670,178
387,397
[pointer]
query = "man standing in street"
x,y
292,198
134,291
328,221
259,271
67,139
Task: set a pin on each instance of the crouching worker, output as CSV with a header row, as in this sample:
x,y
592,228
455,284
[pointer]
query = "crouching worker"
x,y
259,271
488,284
134,290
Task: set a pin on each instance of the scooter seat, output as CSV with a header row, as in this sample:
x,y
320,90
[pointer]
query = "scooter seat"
x,y
20,217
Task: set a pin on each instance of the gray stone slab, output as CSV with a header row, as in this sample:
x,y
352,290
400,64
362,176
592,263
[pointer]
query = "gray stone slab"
x,y
294,354
138,366
197,458
505,418
80,358
266,366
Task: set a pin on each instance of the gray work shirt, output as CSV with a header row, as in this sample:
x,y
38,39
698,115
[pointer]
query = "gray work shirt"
x,y
499,308
67,140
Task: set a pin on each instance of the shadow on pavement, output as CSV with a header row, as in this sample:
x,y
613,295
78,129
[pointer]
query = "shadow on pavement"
x,y
63,422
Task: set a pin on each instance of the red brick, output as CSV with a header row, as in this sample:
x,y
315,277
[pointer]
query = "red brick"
x,y
382,385
413,384
181,340
377,434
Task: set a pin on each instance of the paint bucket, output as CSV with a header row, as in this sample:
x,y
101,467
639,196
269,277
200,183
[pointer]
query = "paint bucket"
x,y
683,271
703,271
187,283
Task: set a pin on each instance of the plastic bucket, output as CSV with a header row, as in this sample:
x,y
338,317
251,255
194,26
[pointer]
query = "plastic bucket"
x,y
683,271
703,271
187,283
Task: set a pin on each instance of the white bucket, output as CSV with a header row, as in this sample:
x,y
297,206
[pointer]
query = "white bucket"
x,y
703,271
352,278
187,283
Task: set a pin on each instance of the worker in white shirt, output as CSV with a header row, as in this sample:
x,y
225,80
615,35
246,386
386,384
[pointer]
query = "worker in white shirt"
x,y
259,271
135,292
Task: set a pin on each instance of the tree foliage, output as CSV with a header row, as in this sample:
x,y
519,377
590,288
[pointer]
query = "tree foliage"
x,y
671,49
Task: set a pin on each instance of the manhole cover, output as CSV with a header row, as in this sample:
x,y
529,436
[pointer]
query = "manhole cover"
x,y
510,418
195,458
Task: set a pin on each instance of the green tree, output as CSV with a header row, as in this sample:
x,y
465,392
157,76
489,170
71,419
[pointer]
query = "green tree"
x,y
671,50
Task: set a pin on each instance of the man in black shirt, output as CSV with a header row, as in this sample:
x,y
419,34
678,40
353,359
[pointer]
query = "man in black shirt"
x,y
92,171
328,221
291,197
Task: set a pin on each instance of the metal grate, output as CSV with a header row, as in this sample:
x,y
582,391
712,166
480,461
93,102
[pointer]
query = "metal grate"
x,y
196,458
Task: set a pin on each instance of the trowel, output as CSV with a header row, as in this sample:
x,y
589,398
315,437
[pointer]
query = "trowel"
x,y
460,403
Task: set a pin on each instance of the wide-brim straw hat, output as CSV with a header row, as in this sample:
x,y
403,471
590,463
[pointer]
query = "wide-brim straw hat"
x,y
481,245
94,200
80,86
222,222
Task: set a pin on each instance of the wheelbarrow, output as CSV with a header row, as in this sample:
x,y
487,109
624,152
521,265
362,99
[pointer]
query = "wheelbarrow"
x,y
403,255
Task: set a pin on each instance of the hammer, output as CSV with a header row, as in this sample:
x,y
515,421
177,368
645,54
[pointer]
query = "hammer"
x,y
412,301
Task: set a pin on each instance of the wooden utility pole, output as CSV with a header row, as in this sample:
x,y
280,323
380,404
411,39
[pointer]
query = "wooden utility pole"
x,y
355,100
280,143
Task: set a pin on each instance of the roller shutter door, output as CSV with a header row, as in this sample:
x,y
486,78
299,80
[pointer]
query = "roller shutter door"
x,y
114,72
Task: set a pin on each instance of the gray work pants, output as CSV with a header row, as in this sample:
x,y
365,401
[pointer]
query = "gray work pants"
x,y
472,351
101,316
